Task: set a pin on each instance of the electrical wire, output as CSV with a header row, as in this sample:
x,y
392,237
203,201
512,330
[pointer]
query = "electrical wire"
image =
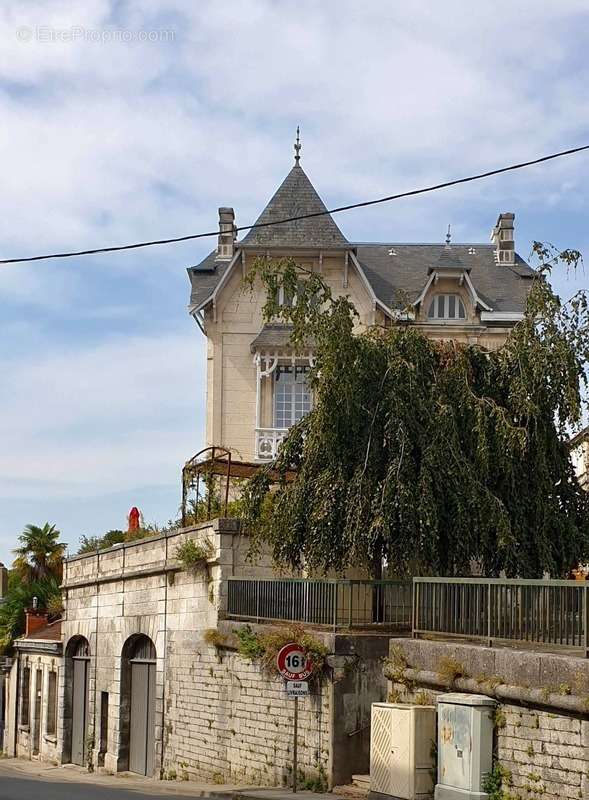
x,y
337,210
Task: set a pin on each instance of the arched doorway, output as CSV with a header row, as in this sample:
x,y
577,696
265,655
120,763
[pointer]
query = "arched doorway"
x,y
138,704
77,664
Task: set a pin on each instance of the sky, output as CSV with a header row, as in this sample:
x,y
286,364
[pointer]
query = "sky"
x,y
127,120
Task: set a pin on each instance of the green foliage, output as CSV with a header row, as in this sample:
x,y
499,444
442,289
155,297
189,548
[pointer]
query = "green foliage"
x,y
39,555
426,454
496,782
90,544
264,646
249,645
18,599
193,554
313,783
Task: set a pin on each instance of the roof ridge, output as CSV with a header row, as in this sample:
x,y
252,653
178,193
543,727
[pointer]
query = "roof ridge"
x,y
420,244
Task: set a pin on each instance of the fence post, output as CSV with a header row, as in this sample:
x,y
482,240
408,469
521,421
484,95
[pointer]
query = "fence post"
x,y
585,622
414,602
335,606
258,584
350,612
489,639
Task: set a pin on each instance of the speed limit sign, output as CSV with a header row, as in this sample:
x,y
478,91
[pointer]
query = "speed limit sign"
x,y
295,666
293,663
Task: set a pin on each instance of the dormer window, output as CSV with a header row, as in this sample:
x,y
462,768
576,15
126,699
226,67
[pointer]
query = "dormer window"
x,y
446,306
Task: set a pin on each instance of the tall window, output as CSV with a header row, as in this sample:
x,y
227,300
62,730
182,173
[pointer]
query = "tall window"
x,y
292,394
51,704
25,696
446,306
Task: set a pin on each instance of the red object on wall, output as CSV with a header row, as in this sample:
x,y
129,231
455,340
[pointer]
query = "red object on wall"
x,y
134,519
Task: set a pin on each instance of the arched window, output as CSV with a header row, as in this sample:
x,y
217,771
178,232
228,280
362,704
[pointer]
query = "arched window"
x,y
141,648
446,306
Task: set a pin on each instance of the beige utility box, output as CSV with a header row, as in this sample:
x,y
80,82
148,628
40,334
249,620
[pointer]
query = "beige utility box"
x,y
402,743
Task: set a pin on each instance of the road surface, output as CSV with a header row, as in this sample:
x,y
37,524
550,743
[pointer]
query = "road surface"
x,y
18,785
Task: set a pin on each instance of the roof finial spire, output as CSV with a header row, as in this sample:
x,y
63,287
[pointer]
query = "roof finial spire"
x,y
298,146
448,237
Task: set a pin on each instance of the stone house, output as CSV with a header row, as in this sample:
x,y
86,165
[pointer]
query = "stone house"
x,y
151,679
32,691
153,682
256,389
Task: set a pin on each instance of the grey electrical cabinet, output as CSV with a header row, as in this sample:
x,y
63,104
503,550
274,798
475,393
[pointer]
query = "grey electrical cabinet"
x,y
465,746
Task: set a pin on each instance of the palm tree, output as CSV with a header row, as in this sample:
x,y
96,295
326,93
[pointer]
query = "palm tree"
x,y
40,555
19,598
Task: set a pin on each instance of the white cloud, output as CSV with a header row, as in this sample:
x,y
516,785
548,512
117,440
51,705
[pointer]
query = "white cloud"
x,y
111,142
93,419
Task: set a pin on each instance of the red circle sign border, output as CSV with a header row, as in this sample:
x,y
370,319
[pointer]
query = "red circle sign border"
x,y
283,653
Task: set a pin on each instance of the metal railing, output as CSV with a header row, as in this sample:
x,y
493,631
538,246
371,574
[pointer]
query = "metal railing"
x,y
333,603
551,613
268,441
546,613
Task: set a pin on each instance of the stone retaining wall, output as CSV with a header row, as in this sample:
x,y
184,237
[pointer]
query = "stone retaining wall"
x,y
217,716
542,741
547,755
225,720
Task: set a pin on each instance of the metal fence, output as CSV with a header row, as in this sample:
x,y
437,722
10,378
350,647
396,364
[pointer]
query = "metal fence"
x,y
548,613
551,613
334,603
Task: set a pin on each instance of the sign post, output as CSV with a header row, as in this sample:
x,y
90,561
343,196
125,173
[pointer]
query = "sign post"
x,y
295,666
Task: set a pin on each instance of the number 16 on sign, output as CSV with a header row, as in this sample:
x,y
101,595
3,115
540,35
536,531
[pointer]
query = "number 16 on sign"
x,y
295,666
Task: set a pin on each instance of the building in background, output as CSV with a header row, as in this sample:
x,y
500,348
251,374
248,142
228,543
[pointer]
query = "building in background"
x,y
256,387
32,691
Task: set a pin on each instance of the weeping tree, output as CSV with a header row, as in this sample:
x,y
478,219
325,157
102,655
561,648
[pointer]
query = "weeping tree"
x,y
427,456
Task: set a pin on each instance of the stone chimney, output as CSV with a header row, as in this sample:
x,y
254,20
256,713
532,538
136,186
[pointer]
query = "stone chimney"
x,y
35,619
503,238
227,234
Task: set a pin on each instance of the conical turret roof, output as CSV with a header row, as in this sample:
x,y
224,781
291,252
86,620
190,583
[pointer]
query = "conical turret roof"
x,y
294,197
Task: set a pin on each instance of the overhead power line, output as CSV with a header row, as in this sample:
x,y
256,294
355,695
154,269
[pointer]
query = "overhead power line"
x,y
337,210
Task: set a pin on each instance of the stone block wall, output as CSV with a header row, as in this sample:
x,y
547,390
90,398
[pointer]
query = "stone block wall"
x,y
226,720
546,754
217,716
541,717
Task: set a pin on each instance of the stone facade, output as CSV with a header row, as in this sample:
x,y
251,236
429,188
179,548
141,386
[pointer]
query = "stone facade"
x,y
32,695
480,293
541,717
216,715
546,755
229,722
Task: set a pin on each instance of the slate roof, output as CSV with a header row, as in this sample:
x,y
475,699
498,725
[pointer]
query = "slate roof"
x,y
274,336
295,196
204,277
502,287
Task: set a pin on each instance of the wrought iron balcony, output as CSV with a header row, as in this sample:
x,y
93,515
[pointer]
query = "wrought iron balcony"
x,y
268,440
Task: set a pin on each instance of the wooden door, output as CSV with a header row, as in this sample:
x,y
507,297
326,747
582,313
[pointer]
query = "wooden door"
x,y
79,710
142,722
